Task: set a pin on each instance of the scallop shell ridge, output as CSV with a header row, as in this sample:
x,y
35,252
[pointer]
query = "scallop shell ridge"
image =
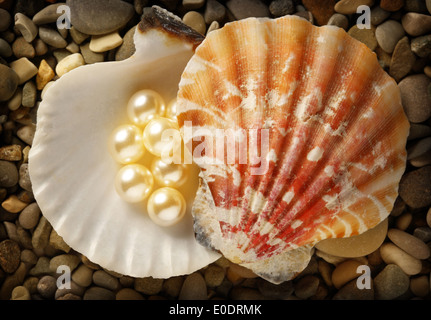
x,y
335,147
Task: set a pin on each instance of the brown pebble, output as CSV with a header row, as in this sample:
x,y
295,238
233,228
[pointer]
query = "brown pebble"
x,y
420,286
11,153
29,217
194,288
306,287
128,294
350,291
105,280
172,286
20,293
148,285
98,293
404,221
13,204
429,217
47,286
410,244
44,74
390,283
391,5
10,255
214,275
345,272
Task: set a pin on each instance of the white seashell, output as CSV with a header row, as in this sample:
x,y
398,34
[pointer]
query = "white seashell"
x,y
73,173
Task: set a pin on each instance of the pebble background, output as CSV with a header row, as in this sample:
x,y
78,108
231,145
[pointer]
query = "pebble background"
x,y
33,54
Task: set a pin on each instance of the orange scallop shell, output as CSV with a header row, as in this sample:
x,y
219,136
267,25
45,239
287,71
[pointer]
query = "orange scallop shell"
x,y
334,151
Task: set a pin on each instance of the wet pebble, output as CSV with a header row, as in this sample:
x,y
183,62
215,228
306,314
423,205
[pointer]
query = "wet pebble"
x,y
10,255
8,174
415,97
416,24
47,286
388,34
404,221
414,187
9,81
29,217
390,283
99,17
242,9
194,288
409,243
26,134
391,254
306,287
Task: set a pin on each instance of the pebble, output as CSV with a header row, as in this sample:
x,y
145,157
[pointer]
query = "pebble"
x,y
306,287
350,291
69,260
29,95
90,56
420,286
421,46
339,20
409,243
194,288
128,294
26,134
29,217
172,286
52,37
428,5
345,272
127,48
428,218
99,17
404,221
322,10
378,15
414,187
77,36
47,286
391,254
105,42
213,26
105,280
41,234
275,291
48,14
26,27
148,285
193,4
350,6
390,283
242,9
366,36
9,81
5,20
69,296
403,59
356,246
416,24
214,275
388,34
10,256
11,153
57,242
195,21
41,268
243,293
418,148
5,49
13,204
24,68
21,48
215,11
20,293
40,47
69,63
98,293
44,75
391,5
423,233
415,97
74,289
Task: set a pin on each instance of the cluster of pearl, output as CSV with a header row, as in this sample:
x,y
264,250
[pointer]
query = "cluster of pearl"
x,y
129,143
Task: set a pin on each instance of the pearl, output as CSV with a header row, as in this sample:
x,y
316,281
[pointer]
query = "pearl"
x,y
134,183
144,105
126,144
161,137
169,175
166,206
171,110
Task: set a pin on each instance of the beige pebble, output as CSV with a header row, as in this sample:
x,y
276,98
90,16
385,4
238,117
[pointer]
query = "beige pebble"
x,y
56,241
44,74
409,243
26,133
356,246
13,204
391,254
213,26
29,217
420,286
15,102
345,272
404,221
20,293
41,234
26,27
46,88
11,153
24,68
69,260
105,42
69,63
83,276
195,21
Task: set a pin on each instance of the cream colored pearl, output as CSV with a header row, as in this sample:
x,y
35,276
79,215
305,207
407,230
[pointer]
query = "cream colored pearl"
x,y
126,144
134,183
154,139
169,175
144,106
166,206
171,110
